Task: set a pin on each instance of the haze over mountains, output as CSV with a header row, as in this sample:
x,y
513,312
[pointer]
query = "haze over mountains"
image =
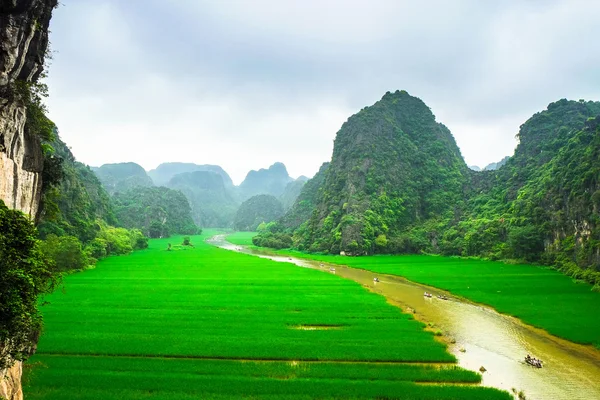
x,y
213,197
397,182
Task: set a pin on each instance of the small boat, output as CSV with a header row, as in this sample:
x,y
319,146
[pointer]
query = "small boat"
x,y
332,269
534,362
442,297
427,295
375,279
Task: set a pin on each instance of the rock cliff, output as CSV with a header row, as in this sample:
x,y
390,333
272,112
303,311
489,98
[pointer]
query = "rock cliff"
x,y
23,44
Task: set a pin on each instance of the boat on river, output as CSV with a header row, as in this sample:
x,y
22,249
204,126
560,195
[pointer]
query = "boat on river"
x,y
534,362
375,279
427,295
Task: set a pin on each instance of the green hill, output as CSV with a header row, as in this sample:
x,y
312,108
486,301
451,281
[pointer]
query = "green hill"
x,y
272,180
166,171
122,176
212,204
397,183
157,211
256,210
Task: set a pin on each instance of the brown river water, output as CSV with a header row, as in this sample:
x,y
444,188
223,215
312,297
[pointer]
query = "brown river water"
x,y
491,340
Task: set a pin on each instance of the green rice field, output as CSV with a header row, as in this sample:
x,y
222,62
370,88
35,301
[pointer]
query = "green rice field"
x,y
207,323
241,238
540,296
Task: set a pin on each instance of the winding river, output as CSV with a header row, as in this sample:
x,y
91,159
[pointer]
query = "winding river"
x,y
479,336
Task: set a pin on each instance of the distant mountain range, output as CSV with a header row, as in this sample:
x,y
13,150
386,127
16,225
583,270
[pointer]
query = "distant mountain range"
x,y
212,196
492,166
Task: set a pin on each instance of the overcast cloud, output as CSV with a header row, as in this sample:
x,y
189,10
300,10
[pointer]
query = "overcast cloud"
x,y
243,84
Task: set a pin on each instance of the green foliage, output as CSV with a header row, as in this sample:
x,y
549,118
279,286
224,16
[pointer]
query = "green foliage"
x,y
257,210
157,211
25,275
74,200
77,215
278,240
120,240
393,165
66,252
32,94
396,173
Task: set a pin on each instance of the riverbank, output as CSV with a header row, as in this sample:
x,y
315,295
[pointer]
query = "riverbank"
x,y
539,296
479,336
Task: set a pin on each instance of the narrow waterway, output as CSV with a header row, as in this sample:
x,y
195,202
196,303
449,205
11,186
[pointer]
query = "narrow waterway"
x,y
479,336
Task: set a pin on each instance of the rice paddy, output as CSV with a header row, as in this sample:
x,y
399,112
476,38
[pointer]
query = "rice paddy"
x,y
539,296
208,323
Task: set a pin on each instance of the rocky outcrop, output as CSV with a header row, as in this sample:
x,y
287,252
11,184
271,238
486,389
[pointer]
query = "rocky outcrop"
x,y
10,382
23,44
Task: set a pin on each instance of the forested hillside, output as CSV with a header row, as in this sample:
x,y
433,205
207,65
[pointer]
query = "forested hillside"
x,y
392,165
122,176
77,221
157,211
398,184
259,209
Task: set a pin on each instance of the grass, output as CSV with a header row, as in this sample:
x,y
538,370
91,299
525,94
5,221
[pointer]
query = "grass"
x,y
241,238
209,323
540,296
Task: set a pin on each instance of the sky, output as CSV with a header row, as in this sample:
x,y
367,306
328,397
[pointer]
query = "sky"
x,y
244,84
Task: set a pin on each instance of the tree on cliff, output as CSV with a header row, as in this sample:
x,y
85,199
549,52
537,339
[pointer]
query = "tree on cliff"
x,y
24,275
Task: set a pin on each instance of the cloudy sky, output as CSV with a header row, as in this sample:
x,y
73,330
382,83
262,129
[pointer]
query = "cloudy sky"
x,y
243,84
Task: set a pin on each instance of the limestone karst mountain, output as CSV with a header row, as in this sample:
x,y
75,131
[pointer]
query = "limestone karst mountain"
x,y
272,180
121,177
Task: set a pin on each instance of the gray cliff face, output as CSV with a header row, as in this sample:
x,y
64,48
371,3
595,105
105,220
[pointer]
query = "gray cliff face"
x,y
23,44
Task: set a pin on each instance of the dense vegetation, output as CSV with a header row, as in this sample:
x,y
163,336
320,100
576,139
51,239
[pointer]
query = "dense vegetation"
x,y
25,274
397,184
122,177
73,197
157,211
135,325
77,220
260,209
